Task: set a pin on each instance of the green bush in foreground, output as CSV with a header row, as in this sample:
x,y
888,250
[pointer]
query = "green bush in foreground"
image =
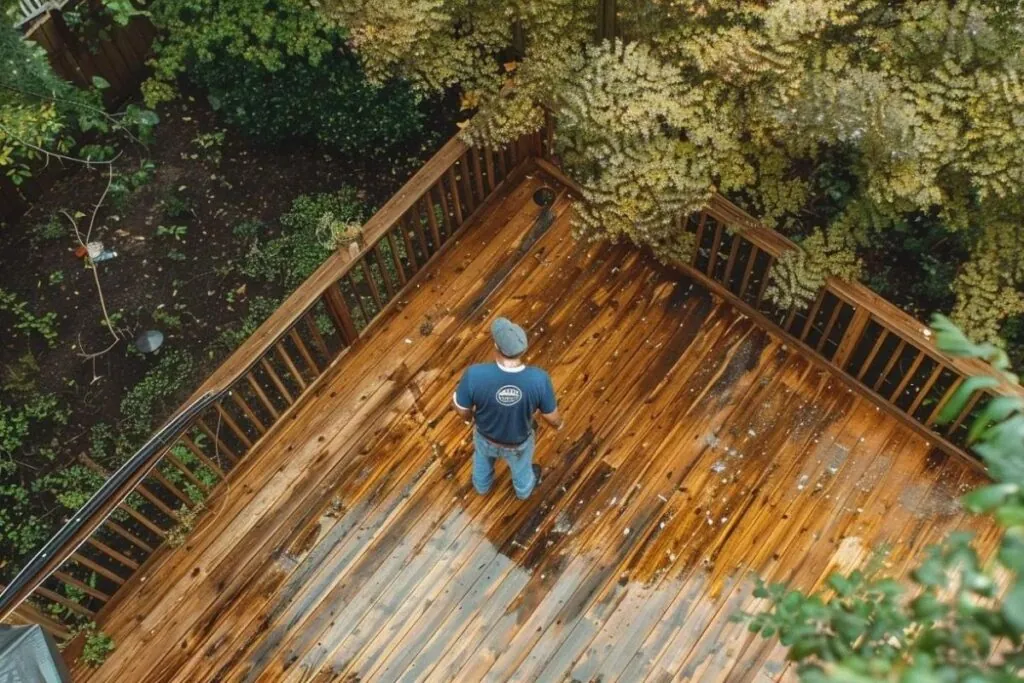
x,y
945,623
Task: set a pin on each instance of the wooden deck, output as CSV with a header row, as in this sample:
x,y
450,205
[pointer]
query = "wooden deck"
x,y
698,450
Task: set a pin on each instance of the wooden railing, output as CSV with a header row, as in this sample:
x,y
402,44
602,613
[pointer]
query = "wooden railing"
x,y
886,353
147,503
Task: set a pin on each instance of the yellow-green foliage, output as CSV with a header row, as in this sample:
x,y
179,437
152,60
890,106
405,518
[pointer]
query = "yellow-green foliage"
x,y
986,286
35,105
924,101
636,179
797,275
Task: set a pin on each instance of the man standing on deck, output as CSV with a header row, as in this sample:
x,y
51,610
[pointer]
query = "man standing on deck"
x,y
502,397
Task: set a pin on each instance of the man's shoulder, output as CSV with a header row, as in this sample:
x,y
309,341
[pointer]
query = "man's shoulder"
x,y
537,374
478,369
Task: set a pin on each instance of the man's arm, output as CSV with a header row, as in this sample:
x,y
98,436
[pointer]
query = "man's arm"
x,y
462,399
465,413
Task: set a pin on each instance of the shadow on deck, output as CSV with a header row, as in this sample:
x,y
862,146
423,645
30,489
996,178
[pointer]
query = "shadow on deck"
x,y
698,449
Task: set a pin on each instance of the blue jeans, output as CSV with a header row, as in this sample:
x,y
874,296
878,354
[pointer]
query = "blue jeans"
x,y
519,459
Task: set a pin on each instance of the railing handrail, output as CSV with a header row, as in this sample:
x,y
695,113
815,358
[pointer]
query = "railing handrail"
x,y
856,293
100,505
334,268
893,317
239,365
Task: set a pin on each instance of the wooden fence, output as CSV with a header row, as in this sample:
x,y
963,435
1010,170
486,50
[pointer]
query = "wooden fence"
x,y
259,385
120,59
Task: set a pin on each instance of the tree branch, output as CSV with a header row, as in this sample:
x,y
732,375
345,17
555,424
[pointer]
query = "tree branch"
x,y
48,153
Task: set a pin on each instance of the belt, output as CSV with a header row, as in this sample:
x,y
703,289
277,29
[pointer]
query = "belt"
x,y
502,444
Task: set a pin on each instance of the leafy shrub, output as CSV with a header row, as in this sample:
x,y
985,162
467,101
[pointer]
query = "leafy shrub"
x,y
32,414
329,103
279,71
292,257
153,395
260,309
25,320
98,645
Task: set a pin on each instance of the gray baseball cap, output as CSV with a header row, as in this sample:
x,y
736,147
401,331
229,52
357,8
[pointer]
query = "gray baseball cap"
x,y
509,337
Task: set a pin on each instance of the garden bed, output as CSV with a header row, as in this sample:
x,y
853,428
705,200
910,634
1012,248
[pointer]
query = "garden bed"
x,y
186,217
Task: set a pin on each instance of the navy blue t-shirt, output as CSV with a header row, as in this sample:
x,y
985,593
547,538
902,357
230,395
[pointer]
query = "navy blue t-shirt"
x,y
505,400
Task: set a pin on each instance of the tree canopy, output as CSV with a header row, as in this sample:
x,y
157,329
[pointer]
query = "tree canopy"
x,y
835,121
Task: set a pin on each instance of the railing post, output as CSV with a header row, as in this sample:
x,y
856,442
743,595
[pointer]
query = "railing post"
x,y
337,308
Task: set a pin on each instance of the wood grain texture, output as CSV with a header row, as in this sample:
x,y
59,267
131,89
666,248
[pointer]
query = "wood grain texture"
x,y
698,449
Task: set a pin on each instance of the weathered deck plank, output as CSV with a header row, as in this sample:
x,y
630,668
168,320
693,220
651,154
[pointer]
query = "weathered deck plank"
x,y
698,449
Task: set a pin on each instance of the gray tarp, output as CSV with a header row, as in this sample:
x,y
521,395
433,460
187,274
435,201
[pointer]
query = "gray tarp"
x,y
29,655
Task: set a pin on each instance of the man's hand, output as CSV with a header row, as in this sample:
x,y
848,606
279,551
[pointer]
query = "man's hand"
x,y
554,419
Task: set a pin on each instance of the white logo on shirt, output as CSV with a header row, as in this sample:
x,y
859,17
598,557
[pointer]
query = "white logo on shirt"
x,y
509,395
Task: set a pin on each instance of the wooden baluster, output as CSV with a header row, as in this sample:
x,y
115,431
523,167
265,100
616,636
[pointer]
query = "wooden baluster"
x,y
111,553
942,401
828,326
379,260
732,260
81,585
142,519
906,378
951,430
98,568
456,204
232,425
171,487
371,282
310,321
489,166
409,250
923,393
202,457
764,283
699,238
304,350
502,168
754,252
128,536
286,357
417,227
240,402
183,468
220,445
359,298
428,206
445,217
141,488
851,337
398,261
262,395
874,352
474,158
467,190
813,313
31,614
549,135
513,153
68,603
337,309
716,243
888,366
790,316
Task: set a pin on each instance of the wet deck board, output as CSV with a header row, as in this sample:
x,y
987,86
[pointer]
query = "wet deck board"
x,y
698,449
